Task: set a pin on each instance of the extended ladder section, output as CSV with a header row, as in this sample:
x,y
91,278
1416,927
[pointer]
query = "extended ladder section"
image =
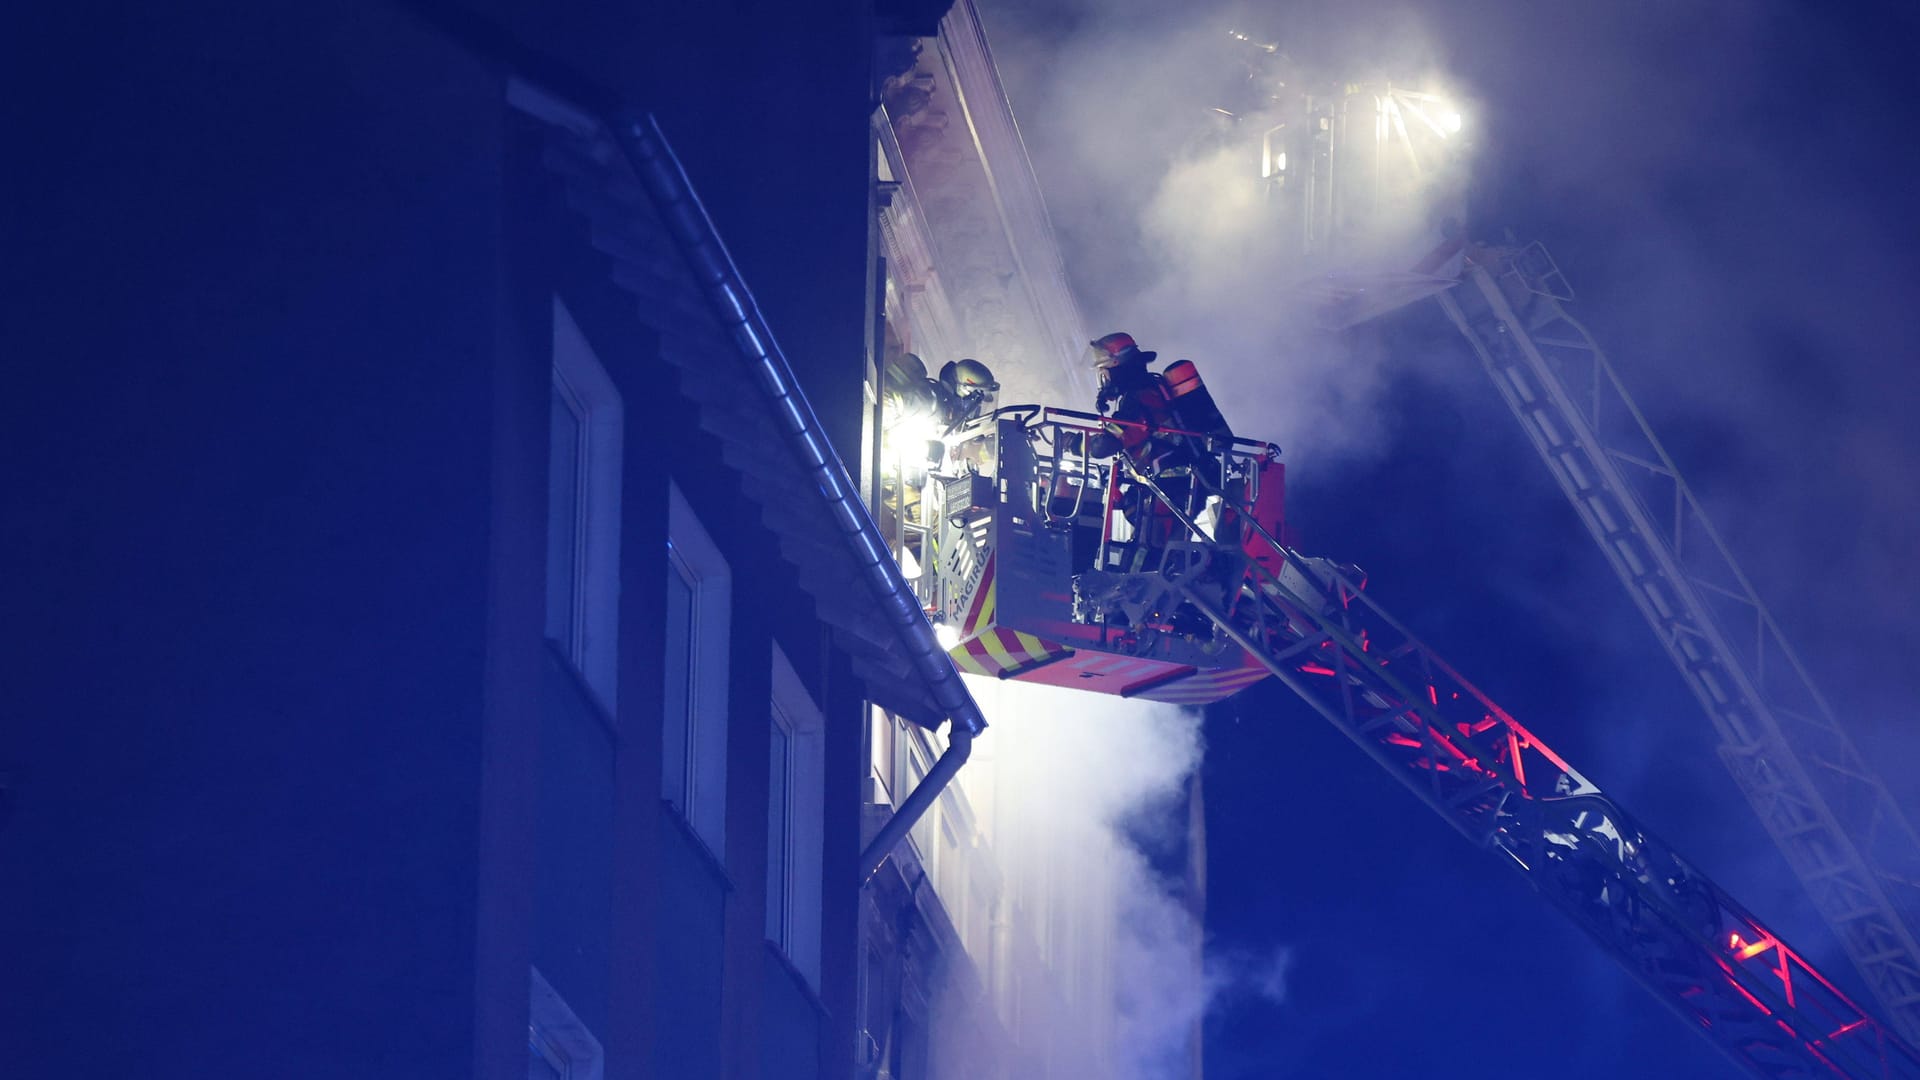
x,y
1687,941
1841,832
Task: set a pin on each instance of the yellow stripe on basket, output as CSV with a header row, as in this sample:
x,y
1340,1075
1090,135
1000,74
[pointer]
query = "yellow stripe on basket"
x,y
997,648
1034,649
991,588
964,659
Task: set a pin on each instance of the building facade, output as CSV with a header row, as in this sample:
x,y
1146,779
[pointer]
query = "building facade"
x,y
436,653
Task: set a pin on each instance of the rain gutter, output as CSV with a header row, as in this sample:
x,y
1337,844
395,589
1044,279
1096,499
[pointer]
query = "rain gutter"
x,y
659,171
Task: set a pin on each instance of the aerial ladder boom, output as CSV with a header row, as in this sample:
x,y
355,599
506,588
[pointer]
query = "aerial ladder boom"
x,y
1201,595
1681,936
1843,834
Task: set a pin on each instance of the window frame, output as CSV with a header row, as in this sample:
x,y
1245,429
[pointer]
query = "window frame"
x,y
558,1035
795,931
696,785
590,639
780,827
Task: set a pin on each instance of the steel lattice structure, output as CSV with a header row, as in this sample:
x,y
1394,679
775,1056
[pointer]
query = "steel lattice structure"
x,y
1842,833
1681,936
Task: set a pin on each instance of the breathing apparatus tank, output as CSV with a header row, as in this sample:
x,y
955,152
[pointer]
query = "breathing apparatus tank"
x,y
1191,402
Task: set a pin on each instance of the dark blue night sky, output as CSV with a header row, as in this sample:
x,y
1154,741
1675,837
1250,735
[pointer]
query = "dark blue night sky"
x,y
1726,188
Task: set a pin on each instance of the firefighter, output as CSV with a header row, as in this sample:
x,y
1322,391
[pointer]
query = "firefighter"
x,y
909,394
1129,393
1136,399
965,389
1167,425
1162,420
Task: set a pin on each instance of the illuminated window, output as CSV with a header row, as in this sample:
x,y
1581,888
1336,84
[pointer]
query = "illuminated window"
x,y
694,728
796,793
559,1046
584,435
883,766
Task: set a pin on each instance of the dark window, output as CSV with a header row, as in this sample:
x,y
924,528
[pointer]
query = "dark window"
x,y
682,687
779,833
563,523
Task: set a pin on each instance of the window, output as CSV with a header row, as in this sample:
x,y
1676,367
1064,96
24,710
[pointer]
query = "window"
x,y
698,614
584,433
796,796
918,763
884,766
779,829
559,1046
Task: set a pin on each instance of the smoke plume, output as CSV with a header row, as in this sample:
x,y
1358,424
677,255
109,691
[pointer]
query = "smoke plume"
x,y
1101,938
1145,123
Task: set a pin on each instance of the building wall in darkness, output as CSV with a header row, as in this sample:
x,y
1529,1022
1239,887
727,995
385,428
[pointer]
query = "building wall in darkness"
x,y
299,787
767,107
251,443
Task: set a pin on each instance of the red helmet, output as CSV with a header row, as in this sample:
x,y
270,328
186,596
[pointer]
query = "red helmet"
x,y
1118,349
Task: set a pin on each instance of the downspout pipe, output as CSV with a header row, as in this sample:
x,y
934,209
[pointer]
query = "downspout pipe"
x,y
909,813
660,172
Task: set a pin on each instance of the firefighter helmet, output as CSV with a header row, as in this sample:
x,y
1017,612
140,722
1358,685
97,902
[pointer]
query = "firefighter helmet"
x,y
965,377
907,367
908,392
906,374
1118,349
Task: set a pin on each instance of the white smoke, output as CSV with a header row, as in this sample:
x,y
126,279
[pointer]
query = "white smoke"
x,y
1161,212
1103,944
